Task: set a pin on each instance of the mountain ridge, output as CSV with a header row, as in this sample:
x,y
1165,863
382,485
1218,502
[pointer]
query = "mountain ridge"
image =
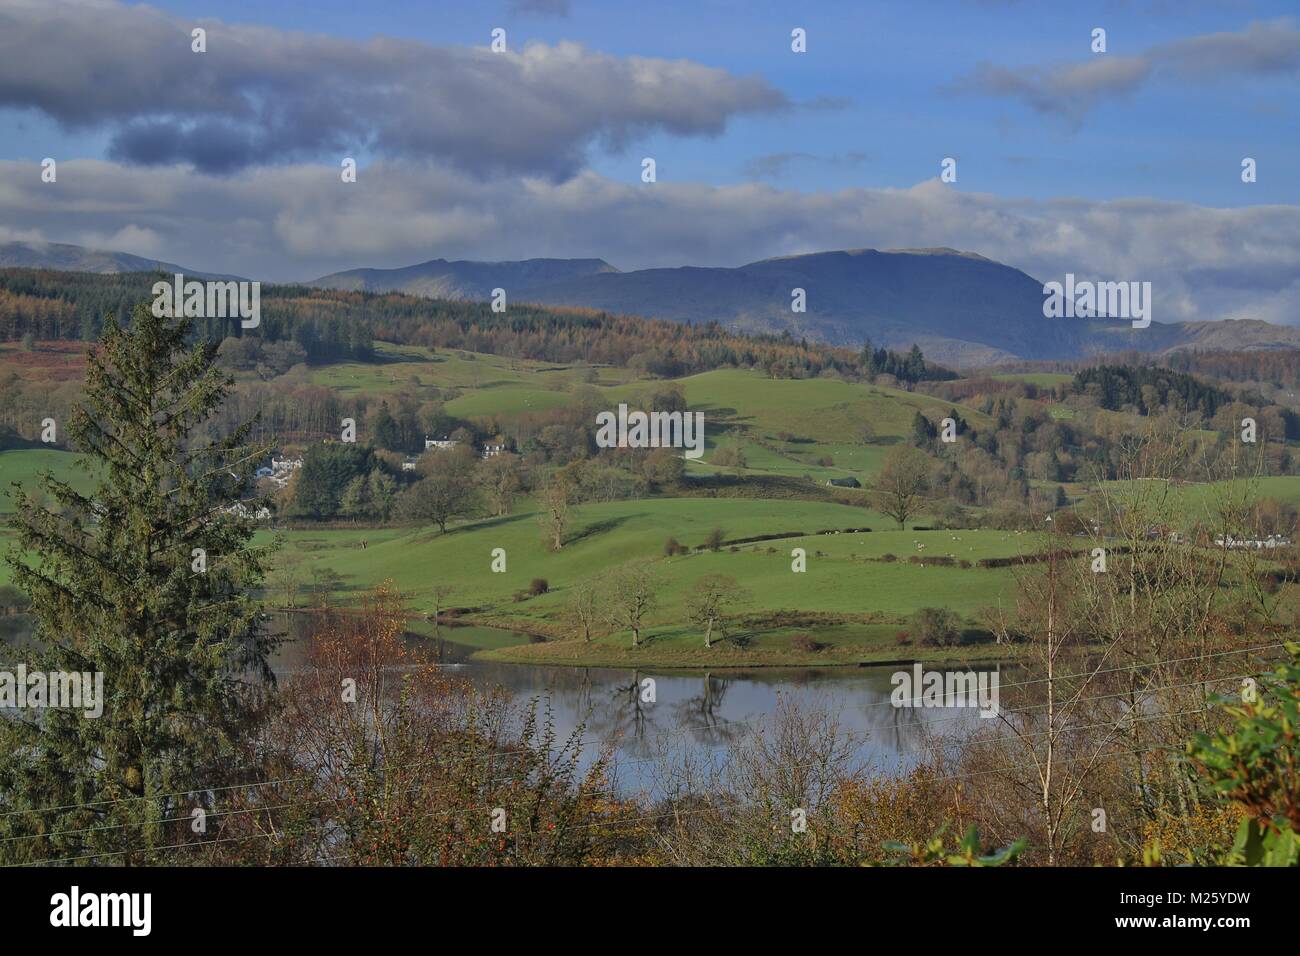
x,y
961,307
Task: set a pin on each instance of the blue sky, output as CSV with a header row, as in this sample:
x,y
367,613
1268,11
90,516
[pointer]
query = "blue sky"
x,y
1122,165
895,63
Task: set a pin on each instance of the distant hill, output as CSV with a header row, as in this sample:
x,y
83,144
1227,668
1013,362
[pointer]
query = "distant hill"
x,y
69,258
961,308
441,279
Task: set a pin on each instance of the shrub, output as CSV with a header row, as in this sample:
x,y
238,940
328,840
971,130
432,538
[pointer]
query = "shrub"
x,y
538,586
936,627
805,644
673,547
714,541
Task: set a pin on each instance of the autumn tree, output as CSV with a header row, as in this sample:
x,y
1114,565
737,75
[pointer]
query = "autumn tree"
x,y
502,480
448,489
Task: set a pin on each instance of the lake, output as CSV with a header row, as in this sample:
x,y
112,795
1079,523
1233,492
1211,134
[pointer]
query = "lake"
x,y
699,710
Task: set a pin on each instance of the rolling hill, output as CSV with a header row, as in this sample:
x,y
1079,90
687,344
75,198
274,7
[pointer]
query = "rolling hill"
x,y
64,257
440,279
961,308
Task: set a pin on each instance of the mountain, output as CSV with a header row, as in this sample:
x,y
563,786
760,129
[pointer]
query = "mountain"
x,y
954,304
440,279
69,258
959,307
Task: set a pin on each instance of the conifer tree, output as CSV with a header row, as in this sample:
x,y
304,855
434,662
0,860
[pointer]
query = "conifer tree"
x,y
148,580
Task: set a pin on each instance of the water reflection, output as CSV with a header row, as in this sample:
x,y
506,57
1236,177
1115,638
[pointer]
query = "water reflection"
x,y
705,710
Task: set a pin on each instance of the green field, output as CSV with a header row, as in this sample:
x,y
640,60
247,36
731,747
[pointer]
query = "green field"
x,y
25,465
1199,501
848,599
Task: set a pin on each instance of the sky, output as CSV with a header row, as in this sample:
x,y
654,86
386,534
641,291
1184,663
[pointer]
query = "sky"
x,y
1123,164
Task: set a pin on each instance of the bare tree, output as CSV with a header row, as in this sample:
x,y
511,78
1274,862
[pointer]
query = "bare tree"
x,y
288,575
440,594
710,600
902,482
501,482
632,595
585,607
557,504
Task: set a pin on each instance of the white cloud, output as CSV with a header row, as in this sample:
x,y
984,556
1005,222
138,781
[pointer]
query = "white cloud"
x,y
298,222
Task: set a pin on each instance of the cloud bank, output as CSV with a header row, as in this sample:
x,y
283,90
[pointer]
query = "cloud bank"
x,y
299,221
267,96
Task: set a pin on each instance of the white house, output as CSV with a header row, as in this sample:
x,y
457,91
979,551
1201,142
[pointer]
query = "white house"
x,y
1255,544
443,442
491,451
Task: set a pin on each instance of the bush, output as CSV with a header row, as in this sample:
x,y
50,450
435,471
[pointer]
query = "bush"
x,y
936,627
888,558
714,541
673,547
538,586
729,456
805,644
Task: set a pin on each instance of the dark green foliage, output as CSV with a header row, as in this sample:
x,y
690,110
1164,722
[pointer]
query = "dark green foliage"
x,y
1120,385
147,582
73,305
327,470
909,367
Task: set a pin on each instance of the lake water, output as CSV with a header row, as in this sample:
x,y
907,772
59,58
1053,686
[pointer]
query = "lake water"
x,y
699,710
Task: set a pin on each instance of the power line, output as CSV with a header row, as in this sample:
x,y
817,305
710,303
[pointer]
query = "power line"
x,y
729,724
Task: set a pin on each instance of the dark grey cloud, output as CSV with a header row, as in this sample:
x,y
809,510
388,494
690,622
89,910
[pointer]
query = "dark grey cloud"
x,y
263,96
1070,90
299,222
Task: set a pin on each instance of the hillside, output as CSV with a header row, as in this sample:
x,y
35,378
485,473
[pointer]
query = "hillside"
x,y
69,258
440,279
962,309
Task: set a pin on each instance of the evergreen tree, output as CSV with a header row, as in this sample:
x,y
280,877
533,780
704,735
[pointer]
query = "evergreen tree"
x,y
385,429
146,581
923,431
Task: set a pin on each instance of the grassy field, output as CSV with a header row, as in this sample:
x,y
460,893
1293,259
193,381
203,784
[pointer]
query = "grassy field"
x,y
409,368
1199,501
849,600
24,466
784,427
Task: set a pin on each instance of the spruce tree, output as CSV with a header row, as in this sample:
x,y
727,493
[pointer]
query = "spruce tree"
x,y
148,580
